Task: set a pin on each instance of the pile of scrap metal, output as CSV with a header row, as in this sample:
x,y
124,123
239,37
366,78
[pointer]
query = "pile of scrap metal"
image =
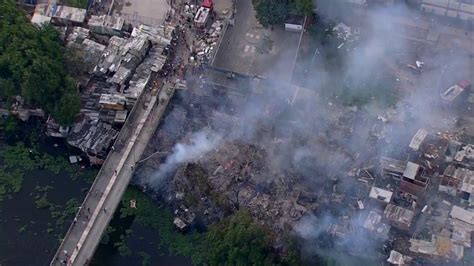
x,y
183,218
205,49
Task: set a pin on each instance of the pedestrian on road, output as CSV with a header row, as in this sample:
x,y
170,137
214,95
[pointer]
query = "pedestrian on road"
x,y
131,167
75,221
113,148
105,210
88,210
115,171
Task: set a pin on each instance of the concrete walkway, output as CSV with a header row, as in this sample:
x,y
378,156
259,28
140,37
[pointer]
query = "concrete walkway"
x,y
97,210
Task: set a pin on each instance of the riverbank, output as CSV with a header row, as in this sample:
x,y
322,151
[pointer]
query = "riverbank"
x,y
39,195
39,192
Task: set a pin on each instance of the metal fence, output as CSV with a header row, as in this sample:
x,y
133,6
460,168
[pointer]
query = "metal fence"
x,y
136,19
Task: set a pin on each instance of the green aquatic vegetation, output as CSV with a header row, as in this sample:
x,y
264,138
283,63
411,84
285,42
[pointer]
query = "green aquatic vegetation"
x,y
18,159
22,229
145,258
122,248
10,182
68,212
43,189
18,156
43,203
149,214
236,240
106,237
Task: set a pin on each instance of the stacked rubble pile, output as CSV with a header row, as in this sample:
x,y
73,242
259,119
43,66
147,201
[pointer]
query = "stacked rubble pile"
x,y
234,176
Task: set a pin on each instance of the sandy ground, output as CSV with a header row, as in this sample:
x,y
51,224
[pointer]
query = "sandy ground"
x,y
150,12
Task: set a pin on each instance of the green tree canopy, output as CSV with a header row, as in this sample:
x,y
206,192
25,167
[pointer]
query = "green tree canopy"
x,y
238,241
304,7
32,65
271,12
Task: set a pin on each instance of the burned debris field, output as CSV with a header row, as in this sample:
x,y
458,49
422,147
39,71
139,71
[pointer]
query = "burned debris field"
x,y
238,132
366,153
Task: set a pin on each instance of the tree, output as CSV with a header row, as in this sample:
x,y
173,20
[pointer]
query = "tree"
x,y
238,241
32,64
304,7
69,105
271,12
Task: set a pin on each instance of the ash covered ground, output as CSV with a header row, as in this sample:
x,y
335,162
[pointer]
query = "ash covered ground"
x,y
304,157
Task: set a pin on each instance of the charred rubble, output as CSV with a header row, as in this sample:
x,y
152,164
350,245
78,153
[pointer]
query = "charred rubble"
x,y
403,199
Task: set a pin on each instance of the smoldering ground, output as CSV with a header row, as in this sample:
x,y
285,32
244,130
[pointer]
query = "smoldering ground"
x,y
310,136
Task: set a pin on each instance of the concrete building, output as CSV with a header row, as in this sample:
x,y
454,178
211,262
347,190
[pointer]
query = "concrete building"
x,y
109,25
458,181
451,180
413,180
461,214
438,247
392,168
418,139
112,101
398,216
381,195
373,223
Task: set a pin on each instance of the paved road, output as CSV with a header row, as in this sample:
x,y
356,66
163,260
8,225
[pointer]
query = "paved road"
x,y
241,47
84,235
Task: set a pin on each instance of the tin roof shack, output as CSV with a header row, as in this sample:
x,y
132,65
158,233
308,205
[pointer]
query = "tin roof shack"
x,y
461,226
438,247
398,216
451,180
60,15
152,63
398,258
121,57
373,223
458,181
93,138
66,15
90,51
133,52
461,214
461,154
77,36
112,101
110,59
157,35
53,129
39,19
457,93
417,139
413,180
392,168
105,24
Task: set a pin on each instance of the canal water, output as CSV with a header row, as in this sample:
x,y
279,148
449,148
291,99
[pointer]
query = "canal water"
x,y
29,235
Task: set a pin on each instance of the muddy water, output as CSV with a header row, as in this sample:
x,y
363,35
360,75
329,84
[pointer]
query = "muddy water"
x,y
24,236
143,242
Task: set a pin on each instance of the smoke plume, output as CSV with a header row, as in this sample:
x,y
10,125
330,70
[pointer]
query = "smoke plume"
x,y
199,144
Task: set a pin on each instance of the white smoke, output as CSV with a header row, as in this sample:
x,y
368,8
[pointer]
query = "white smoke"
x,y
198,145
